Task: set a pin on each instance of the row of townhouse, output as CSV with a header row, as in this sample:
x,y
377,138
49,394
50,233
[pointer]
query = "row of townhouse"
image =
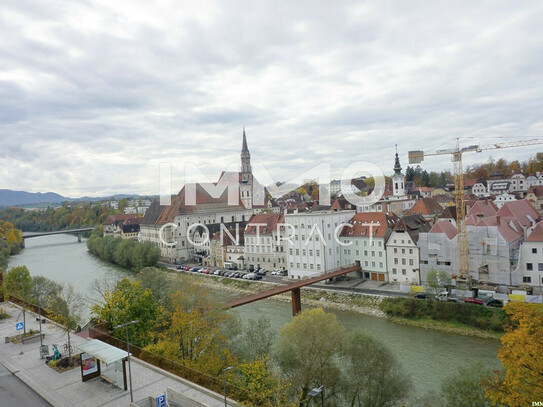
x,y
497,184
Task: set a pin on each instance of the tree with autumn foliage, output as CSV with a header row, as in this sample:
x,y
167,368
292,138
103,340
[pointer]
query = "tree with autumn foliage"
x,y
195,336
129,301
521,355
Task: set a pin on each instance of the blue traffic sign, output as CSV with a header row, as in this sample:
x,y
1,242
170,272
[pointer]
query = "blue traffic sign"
x,y
161,401
19,326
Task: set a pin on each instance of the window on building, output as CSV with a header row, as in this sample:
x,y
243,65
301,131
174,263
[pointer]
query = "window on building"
x,y
410,251
529,266
539,266
305,266
297,265
380,254
526,279
403,272
395,250
357,252
318,253
366,263
297,252
403,250
393,271
290,251
303,252
410,262
395,260
381,264
311,252
373,253
534,250
373,264
403,262
318,267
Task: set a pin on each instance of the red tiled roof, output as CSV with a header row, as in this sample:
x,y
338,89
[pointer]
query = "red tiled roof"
x,y
483,207
425,206
469,183
520,210
446,227
379,221
270,220
111,219
537,191
506,230
537,233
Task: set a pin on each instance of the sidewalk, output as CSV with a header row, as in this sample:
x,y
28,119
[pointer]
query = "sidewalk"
x,y
66,389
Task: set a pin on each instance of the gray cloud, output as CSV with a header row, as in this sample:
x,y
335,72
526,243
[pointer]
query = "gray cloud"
x,y
94,95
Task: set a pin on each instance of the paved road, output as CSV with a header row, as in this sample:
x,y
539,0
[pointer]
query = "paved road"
x,y
352,287
14,392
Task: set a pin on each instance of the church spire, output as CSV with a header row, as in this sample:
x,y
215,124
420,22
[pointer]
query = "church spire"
x,y
244,146
397,166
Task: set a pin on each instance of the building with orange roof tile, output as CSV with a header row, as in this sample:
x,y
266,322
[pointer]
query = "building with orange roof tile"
x,y
364,242
427,208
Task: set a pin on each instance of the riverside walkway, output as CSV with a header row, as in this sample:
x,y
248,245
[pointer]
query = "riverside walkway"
x,y
67,390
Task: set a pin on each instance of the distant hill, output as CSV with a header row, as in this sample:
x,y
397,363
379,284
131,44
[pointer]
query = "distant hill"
x,y
17,198
9,197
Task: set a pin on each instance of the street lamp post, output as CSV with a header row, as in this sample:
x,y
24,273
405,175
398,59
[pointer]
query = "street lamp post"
x,y
316,391
125,325
224,382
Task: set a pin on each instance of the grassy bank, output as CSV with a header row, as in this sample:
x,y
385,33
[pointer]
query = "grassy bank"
x,y
448,315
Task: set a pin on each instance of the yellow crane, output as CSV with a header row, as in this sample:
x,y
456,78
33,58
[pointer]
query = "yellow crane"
x,y
416,157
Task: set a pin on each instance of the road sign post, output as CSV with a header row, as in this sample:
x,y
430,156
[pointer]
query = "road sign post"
x,y
19,326
161,401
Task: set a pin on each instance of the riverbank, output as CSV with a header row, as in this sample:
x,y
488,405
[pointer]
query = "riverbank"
x,y
341,301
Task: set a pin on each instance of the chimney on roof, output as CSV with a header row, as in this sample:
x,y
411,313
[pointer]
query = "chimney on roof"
x,y
498,220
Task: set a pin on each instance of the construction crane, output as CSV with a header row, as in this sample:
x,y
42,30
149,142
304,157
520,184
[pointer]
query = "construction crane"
x,y
416,157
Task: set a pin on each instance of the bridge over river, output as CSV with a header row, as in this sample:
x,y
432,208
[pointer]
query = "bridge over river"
x,y
294,289
77,232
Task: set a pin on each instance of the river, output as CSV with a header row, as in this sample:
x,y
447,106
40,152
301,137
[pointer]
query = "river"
x,y
428,356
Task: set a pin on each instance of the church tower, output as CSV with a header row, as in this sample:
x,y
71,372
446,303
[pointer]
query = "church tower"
x,y
398,179
246,175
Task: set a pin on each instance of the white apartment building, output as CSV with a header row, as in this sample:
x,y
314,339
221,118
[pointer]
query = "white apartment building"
x,y
312,246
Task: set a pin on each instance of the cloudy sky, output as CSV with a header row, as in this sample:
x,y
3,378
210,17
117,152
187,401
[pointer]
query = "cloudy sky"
x,y
94,95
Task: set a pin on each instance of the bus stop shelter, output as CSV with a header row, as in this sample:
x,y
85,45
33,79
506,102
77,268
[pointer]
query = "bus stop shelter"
x,y
94,354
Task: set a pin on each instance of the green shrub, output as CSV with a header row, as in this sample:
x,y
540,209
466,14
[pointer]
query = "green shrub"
x,y
469,314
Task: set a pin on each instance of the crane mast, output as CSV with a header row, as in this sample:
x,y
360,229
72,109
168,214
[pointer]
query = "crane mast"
x,y
416,157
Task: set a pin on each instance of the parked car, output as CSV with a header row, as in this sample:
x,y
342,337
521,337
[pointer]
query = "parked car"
x,y
473,300
495,303
194,269
180,267
276,273
421,296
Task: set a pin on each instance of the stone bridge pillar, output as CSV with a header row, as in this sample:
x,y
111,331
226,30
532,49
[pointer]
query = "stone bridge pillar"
x,y
23,243
79,238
